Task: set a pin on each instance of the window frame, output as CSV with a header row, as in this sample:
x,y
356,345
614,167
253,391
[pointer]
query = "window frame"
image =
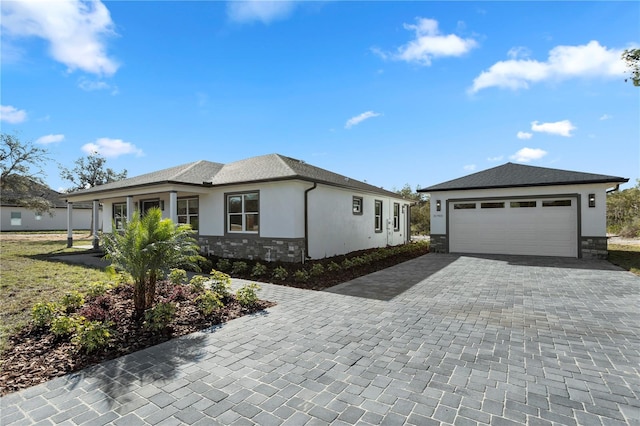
x,y
396,216
243,213
378,217
360,203
189,216
16,218
123,217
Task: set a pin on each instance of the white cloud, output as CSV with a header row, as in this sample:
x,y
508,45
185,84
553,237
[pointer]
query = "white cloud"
x,y
111,148
519,52
429,43
497,158
12,114
606,117
469,167
561,128
526,155
524,135
47,139
76,30
360,118
259,10
588,60
91,85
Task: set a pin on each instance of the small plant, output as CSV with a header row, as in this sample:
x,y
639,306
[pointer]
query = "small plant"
x,y
239,268
208,302
178,276
91,335
43,313
280,273
316,270
301,275
159,317
72,301
220,283
258,270
98,288
223,265
247,294
64,325
347,264
334,267
198,283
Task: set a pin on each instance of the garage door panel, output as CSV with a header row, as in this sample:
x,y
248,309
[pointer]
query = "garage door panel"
x,y
544,231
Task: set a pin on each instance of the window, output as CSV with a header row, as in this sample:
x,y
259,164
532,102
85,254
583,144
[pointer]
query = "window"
x,y
464,206
16,219
517,204
357,205
119,214
149,204
188,212
492,205
378,215
243,212
556,203
396,216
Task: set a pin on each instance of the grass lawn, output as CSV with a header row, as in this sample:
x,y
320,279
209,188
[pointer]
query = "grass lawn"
x,y
625,256
27,277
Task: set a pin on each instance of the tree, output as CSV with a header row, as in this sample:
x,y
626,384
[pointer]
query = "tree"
x,y
420,210
623,212
146,249
21,173
90,171
632,58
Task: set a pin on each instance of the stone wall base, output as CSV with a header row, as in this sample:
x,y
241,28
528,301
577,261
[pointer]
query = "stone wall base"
x,y
439,243
594,247
253,248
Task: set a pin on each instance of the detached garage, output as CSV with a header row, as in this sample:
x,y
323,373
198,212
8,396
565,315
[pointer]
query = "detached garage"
x,y
522,210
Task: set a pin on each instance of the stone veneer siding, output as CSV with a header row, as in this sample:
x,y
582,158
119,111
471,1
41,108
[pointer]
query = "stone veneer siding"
x,y
439,243
253,248
594,247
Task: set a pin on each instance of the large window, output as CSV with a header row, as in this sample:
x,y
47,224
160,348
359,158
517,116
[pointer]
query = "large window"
x,y
243,212
396,216
119,214
378,215
16,219
188,212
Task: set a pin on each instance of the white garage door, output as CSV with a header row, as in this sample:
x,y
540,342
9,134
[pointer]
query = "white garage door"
x,y
542,227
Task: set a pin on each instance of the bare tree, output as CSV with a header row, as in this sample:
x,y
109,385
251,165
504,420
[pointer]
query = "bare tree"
x,y
90,171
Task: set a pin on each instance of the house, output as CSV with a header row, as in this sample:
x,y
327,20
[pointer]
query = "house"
x,y
15,217
525,210
270,207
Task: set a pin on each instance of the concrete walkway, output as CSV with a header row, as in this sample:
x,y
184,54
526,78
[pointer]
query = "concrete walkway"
x,y
442,339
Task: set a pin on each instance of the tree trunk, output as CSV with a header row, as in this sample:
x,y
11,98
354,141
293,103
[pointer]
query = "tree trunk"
x,y
150,291
139,298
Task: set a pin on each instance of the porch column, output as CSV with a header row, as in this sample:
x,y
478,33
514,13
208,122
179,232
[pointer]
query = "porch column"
x,y
129,208
173,206
69,224
96,217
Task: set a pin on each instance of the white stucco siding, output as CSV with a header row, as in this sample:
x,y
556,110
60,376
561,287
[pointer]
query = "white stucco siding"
x,y
28,220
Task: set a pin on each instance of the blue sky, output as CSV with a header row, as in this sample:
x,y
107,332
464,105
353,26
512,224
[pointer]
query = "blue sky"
x,y
387,92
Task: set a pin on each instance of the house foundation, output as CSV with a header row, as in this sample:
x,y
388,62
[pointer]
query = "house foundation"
x,y
254,248
594,247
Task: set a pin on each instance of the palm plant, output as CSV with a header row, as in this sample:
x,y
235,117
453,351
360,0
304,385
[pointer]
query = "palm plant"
x,y
147,248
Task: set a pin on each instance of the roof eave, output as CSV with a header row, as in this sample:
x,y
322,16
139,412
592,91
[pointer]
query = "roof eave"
x,y
612,181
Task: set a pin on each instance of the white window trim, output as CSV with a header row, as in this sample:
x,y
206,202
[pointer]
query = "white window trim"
x,y
243,213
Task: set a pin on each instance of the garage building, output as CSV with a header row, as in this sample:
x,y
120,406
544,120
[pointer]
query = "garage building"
x,y
522,210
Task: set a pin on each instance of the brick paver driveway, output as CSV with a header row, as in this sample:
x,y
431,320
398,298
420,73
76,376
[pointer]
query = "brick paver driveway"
x,y
444,339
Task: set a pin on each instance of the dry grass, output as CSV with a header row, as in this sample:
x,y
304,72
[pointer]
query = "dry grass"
x,y
625,256
27,277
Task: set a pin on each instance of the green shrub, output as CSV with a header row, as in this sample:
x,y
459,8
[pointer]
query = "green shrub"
x,y
247,295
43,313
258,270
198,283
177,276
301,275
359,261
631,229
64,325
220,284
98,288
347,264
160,316
280,273
91,335
239,268
208,302
223,265
72,301
333,267
316,270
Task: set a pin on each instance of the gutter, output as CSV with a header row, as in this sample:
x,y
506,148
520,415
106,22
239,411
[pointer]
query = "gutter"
x,y
305,255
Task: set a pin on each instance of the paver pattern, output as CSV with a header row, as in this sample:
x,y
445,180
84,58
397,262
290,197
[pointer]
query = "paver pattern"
x,y
442,339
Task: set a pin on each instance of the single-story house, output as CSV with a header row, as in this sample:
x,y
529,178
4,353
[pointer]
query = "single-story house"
x,y
523,210
15,217
270,207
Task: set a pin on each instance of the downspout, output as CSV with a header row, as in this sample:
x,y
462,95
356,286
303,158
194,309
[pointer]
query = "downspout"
x,y
306,221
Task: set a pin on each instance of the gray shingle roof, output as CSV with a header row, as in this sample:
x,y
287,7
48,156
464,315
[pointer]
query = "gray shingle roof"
x,y
512,175
271,167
